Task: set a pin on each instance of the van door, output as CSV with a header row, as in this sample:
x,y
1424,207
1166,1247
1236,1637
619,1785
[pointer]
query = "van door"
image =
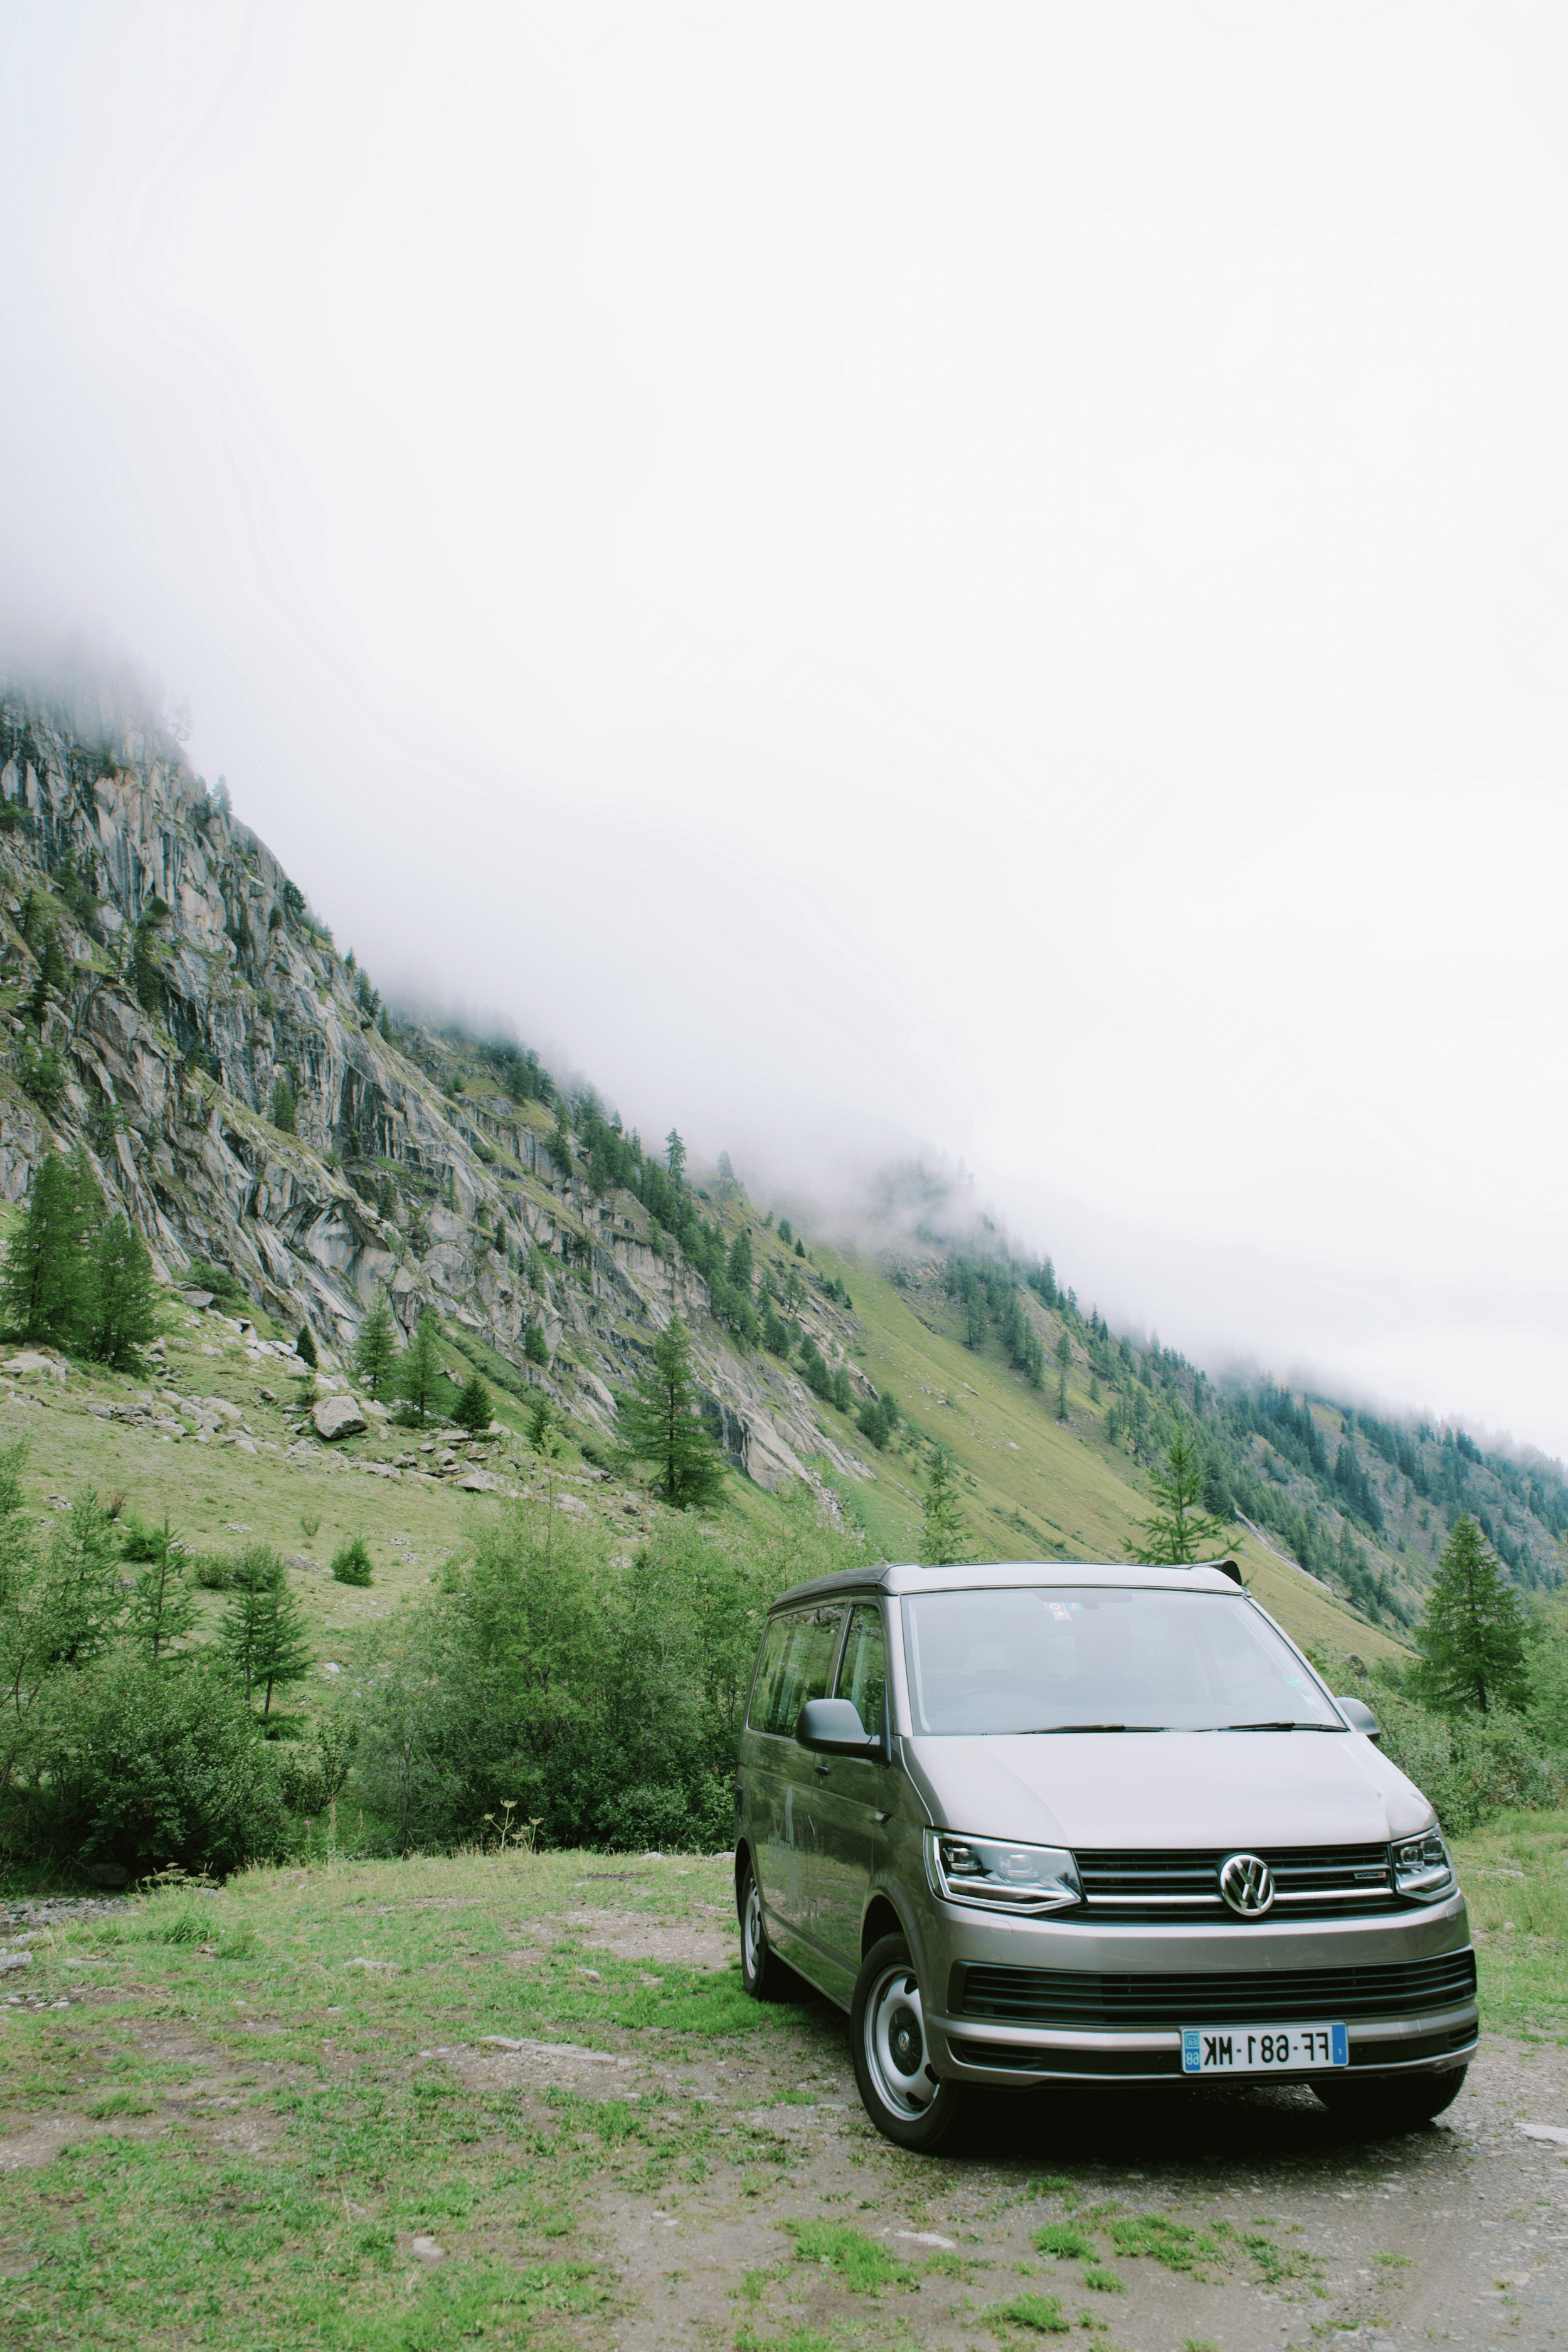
x,y
849,1800
785,1804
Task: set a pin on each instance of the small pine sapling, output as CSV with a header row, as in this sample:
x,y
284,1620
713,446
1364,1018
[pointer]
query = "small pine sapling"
x,y
352,1562
473,1410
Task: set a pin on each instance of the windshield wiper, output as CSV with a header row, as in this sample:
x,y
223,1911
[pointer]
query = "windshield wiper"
x,y
1038,1730
1283,1726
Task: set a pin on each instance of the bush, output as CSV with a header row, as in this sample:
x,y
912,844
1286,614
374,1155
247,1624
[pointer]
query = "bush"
x,y
352,1562
601,1695
224,1284
1471,1766
148,1767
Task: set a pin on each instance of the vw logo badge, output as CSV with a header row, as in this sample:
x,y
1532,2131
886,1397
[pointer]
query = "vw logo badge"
x,y
1246,1884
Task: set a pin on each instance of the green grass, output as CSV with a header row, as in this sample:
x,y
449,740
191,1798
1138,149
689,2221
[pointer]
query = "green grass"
x,y
1060,2238
1515,1876
1040,2315
357,2133
865,2267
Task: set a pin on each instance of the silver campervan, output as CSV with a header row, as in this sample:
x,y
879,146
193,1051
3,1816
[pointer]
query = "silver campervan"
x,y
1046,1823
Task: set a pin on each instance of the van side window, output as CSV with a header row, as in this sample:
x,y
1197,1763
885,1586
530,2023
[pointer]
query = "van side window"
x,y
863,1674
767,1674
804,1669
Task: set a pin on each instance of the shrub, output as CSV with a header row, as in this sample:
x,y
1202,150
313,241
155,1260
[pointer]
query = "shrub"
x,y
601,1695
148,1767
1471,1766
305,1347
352,1562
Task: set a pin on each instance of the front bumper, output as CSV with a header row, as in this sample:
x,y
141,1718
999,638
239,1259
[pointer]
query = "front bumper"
x,y
1408,2039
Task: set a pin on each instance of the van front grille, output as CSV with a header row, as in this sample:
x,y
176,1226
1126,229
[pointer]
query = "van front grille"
x,y
1309,1882
1084,2001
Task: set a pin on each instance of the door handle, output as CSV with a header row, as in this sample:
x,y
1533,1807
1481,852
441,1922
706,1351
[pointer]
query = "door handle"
x,y
822,1768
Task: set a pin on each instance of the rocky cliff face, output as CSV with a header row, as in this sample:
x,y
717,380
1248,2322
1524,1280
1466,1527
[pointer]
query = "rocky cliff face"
x,y
191,978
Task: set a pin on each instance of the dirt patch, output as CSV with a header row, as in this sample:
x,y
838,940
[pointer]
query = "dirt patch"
x,y
43,2136
212,2103
1459,2230
633,1935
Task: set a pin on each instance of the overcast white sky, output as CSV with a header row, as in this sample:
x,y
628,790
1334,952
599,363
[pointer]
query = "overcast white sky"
x,y
986,582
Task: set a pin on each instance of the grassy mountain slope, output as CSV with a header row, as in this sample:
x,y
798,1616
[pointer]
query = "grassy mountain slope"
x,y
171,1011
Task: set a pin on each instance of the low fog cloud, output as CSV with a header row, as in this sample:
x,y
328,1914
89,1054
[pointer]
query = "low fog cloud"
x,y
974,588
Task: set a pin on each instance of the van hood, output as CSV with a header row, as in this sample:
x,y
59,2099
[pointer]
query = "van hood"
x,y
1169,1790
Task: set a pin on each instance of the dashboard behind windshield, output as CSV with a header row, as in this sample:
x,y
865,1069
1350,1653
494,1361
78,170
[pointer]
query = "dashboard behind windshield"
x,y
1023,1659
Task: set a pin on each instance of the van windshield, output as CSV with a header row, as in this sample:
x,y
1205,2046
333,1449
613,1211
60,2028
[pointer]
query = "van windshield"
x,y
1087,1658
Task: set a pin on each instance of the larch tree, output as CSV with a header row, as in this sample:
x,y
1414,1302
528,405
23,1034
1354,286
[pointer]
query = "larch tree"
x,y
1180,1530
419,1366
945,1534
661,1424
1472,1642
374,1357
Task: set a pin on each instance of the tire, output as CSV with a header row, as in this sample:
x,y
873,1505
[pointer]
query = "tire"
x,y
1382,2104
899,2087
764,1976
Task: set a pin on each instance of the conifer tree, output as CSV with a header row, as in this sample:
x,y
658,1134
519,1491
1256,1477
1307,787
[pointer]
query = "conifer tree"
x,y
283,1108
1472,1642
305,1347
419,1366
352,1562
739,1265
473,1410
660,1424
264,1635
535,1346
122,1299
54,973
1181,1531
81,1574
675,1155
944,1530
374,1354
163,1608
44,1284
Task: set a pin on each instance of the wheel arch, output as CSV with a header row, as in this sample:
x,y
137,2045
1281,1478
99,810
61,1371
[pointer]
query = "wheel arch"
x,y
744,1860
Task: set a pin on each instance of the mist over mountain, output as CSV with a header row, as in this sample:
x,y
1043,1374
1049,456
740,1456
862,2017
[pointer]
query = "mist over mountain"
x,y
180,1019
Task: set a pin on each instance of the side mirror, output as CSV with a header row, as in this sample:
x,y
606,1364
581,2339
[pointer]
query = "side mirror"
x,y
1360,1716
833,1727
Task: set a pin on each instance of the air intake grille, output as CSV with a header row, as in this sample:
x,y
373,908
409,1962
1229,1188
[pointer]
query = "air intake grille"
x,y
1310,1883
1075,1998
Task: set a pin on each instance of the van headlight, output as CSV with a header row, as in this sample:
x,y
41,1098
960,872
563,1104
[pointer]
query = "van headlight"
x,y
1423,1871
999,1877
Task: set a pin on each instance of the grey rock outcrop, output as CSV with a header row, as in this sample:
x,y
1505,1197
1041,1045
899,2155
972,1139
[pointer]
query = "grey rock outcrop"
x,y
201,998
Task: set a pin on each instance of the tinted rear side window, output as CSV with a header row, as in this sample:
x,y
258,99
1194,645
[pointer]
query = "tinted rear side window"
x,y
863,1670
800,1667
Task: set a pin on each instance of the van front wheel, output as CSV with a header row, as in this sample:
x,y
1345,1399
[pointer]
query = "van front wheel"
x,y
899,2089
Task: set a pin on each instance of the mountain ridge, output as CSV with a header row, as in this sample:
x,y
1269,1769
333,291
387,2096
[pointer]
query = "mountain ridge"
x,y
172,1008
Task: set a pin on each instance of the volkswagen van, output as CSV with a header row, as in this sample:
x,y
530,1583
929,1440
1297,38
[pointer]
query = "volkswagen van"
x,y
1044,1824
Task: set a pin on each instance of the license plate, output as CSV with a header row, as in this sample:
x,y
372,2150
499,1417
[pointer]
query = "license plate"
x,y
1262,2049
